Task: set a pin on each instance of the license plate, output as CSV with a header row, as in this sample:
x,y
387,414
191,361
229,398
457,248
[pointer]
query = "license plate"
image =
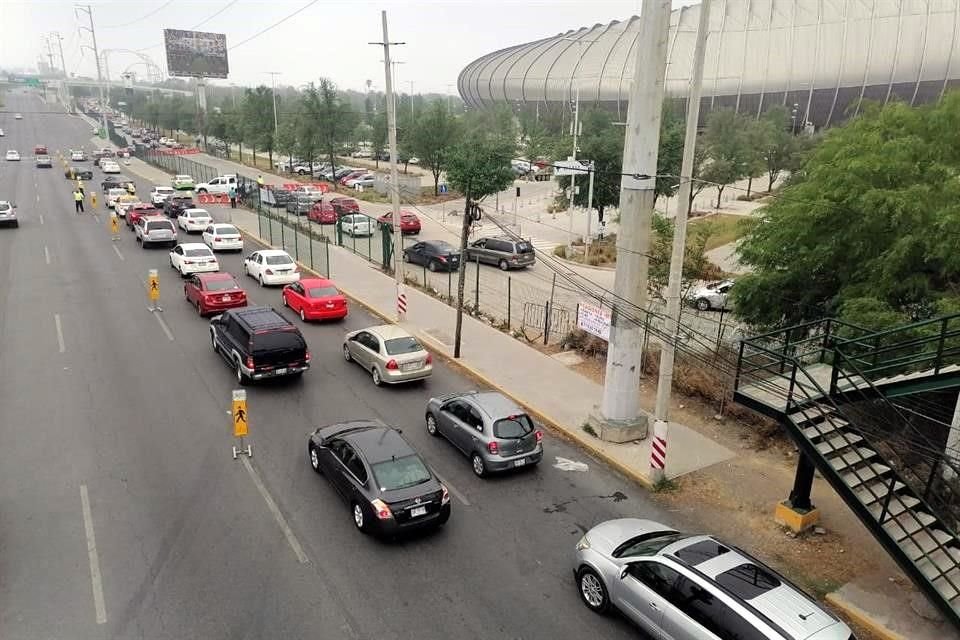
x,y
418,511
227,298
520,462
410,366
281,371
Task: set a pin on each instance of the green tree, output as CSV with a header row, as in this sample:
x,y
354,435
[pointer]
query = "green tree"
x,y
308,133
478,166
866,229
727,145
601,143
433,139
670,154
335,119
378,139
258,120
782,151
287,135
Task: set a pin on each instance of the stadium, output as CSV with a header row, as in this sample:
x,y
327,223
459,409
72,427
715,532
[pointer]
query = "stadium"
x,y
820,58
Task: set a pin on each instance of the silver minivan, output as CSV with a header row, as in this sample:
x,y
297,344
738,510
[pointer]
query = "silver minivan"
x,y
489,428
504,252
155,231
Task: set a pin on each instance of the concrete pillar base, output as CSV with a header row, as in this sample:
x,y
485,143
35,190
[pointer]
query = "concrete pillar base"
x,y
619,431
797,520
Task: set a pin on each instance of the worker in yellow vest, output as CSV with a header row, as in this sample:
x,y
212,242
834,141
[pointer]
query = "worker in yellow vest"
x,y
78,200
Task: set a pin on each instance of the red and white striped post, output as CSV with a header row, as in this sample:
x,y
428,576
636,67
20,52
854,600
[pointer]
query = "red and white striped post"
x,y
401,303
658,451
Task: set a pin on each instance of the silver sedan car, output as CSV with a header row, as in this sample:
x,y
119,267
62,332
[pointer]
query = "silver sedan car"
x,y
487,427
693,587
389,353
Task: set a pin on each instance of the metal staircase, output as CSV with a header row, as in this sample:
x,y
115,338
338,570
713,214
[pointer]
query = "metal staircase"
x,y
827,383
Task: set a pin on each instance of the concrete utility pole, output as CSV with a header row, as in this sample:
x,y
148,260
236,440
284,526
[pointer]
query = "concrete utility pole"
x,y
620,418
573,176
394,175
661,414
273,92
96,56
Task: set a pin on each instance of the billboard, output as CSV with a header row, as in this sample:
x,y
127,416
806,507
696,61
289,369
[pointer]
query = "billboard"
x,y
196,54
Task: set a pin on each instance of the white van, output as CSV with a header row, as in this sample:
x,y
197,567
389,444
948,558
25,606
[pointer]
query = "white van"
x,y
220,184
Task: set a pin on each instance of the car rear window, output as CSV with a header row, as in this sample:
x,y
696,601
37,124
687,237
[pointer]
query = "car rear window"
x,y
524,247
275,341
197,253
4,206
323,292
400,473
222,285
399,346
513,426
226,231
748,581
159,224
279,260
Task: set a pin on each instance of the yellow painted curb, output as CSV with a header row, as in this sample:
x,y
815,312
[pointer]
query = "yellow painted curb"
x,y
863,618
554,425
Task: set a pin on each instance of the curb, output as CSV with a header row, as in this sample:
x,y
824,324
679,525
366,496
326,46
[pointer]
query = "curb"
x,y
554,425
863,618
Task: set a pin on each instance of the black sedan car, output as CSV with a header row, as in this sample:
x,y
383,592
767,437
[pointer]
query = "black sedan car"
x,y
281,197
437,255
75,172
389,488
176,205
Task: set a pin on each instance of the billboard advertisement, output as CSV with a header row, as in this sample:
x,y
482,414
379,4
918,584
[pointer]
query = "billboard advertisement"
x,y
196,54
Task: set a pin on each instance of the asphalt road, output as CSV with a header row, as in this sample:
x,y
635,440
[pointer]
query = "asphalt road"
x,y
123,515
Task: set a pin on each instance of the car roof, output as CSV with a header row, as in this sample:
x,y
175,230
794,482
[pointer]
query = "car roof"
x,y
316,282
495,404
378,443
217,275
223,226
389,331
196,210
274,252
194,245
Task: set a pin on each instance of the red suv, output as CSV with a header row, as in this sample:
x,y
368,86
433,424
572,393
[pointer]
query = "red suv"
x,y
140,210
40,150
409,222
345,206
323,213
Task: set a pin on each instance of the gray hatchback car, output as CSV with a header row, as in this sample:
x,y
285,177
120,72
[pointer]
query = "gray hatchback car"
x,y
487,427
506,253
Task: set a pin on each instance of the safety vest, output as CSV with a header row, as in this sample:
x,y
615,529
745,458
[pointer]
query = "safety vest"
x,y
259,182
78,196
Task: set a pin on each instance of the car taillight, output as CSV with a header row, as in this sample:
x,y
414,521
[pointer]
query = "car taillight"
x,y
249,362
429,358
217,239
493,447
446,495
392,365
269,272
441,259
188,262
307,356
383,511
539,435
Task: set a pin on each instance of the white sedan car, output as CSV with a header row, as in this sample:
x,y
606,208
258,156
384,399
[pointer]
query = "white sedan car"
x,y
13,155
193,257
109,166
78,156
271,266
194,220
223,237
159,195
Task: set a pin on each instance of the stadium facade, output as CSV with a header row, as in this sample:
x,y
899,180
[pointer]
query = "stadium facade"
x,y
820,58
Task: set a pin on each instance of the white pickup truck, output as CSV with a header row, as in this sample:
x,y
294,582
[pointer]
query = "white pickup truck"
x,y
220,184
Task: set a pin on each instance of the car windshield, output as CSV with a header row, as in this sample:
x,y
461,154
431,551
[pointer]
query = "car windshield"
x,y
222,285
513,426
400,473
278,260
399,346
322,292
197,253
647,544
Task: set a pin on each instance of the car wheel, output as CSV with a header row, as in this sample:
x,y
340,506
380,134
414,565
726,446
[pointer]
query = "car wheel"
x,y
182,274
359,518
199,308
303,316
260,279
703,304
432,425
346,354
476,461
241,378
406,257
432,265
592,590
375,373
504,266
201,190
314,459
213,342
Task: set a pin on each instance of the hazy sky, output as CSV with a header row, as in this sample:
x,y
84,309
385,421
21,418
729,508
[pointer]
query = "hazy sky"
x,y
327,38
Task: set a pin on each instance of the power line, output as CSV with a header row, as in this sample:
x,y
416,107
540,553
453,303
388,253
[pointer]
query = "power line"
x,y
275,24
143,17
214,15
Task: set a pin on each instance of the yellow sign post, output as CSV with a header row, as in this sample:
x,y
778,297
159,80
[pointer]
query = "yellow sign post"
x,y
153,290
93,199
240,423
114,227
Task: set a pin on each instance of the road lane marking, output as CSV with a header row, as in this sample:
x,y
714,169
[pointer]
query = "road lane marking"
x,y
95,578
117,251
46,254
163,325
281,521
452,489
56,319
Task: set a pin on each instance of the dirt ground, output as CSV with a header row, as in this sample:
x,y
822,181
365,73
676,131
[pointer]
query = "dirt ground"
x,y
736,499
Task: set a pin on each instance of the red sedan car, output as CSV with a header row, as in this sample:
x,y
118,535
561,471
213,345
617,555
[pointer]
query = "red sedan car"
x,y
323,213
409,222
345,206
138,211
315,299
214,292
352,175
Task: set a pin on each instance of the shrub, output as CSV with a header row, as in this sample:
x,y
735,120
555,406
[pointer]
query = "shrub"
x,y
560,251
